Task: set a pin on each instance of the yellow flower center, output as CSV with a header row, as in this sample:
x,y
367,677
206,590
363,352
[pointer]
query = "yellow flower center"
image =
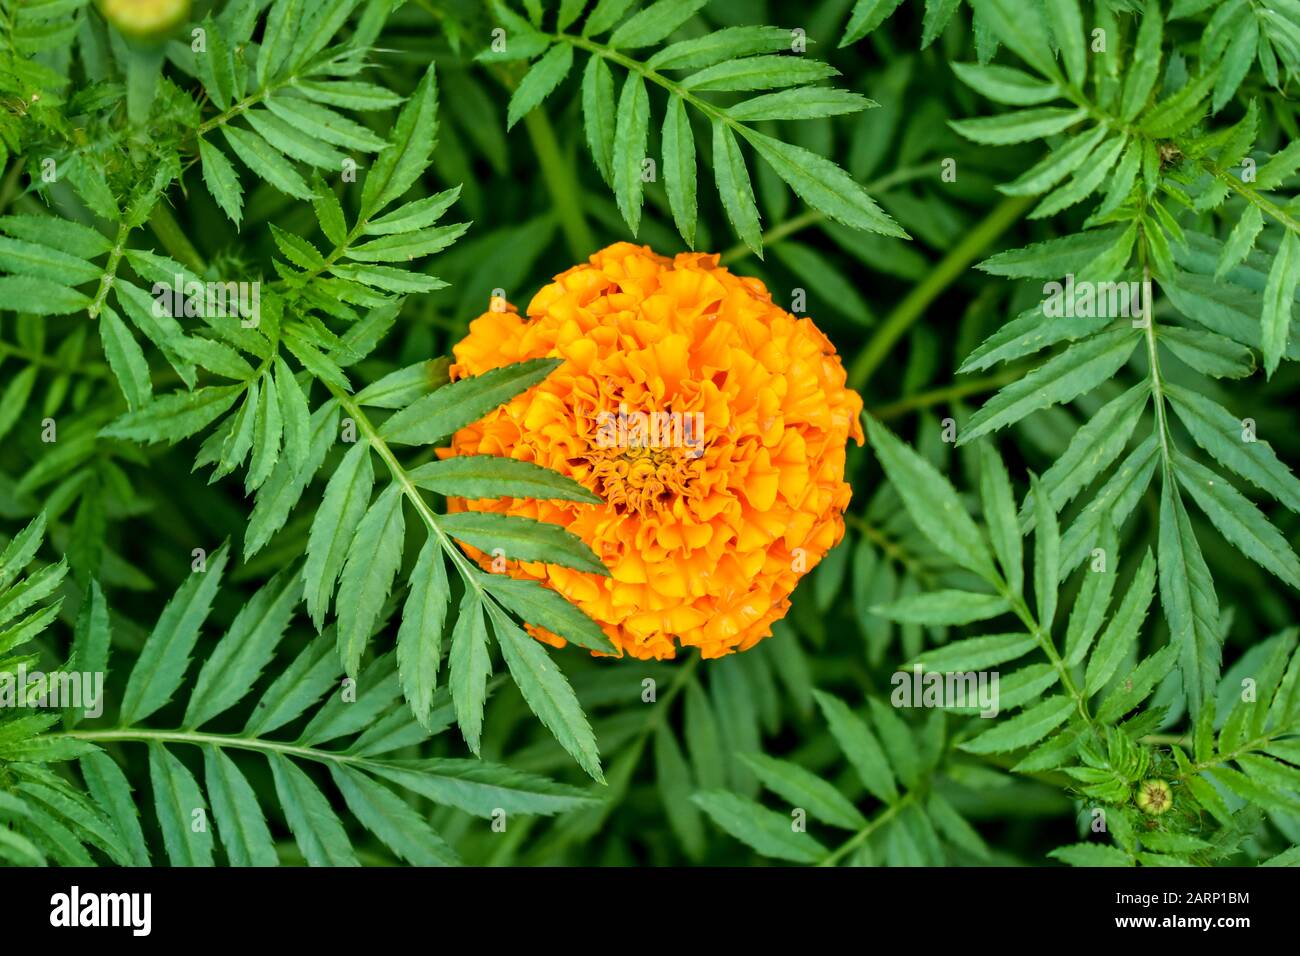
x,y
639,478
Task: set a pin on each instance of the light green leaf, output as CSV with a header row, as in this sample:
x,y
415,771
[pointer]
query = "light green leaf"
x,y
932,502
1026,728
1121,634
547,692
239,817
312,821
454,406
245,650
523,539
419,638
824,186
860,746
347,496
1279,301
470,666
806,791
629,149
540,606
944,607
767,832
679,168
373,559
1190,603
176,799
491,476
539,82
159,669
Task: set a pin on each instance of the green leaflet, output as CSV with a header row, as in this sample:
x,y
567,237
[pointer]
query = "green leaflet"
x,y
599,115
392,819
245,650
1239,520
419,638
1018,127
679,168
165,656
346,498
543,607
1279,301
469,666
538,83
945,607
976,653
628,151
400,164
824,186
177,798
860,746
734,187
1222,434
239,818
1000,515
1005,84
1120,635
932,502
488,476
547,692
451,408
803,789
1026,728
767,832
372,561
1079,369
1188,596
522,539
1047,553
315,825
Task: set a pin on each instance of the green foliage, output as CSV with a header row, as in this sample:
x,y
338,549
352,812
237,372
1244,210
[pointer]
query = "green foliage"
x,y
234,508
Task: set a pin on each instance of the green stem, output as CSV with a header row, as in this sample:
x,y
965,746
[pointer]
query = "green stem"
x,y
562,184
93,369
1256,198
9,188
110,271
914,304
812,217
633,66
949,393
1153,359
889,547
1042,635
853,842
174,240
198,739
412,493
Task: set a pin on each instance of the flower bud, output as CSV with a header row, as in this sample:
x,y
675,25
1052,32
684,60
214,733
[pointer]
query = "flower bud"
x,y
1154,797
146,19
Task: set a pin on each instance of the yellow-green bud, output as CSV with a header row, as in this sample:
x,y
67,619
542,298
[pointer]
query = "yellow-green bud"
x,y
1154,797
145,19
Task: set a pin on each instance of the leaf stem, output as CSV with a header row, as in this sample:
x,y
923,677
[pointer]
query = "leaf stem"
x,y
110,271
914,304
812,217
174,240
949,393
566,194
381,447
853,842
1254,197
198,739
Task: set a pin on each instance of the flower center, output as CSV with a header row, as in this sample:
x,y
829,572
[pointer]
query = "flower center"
x,y
640,470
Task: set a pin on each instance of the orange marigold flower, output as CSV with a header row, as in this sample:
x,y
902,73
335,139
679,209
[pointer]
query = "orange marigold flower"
x,y
712,422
